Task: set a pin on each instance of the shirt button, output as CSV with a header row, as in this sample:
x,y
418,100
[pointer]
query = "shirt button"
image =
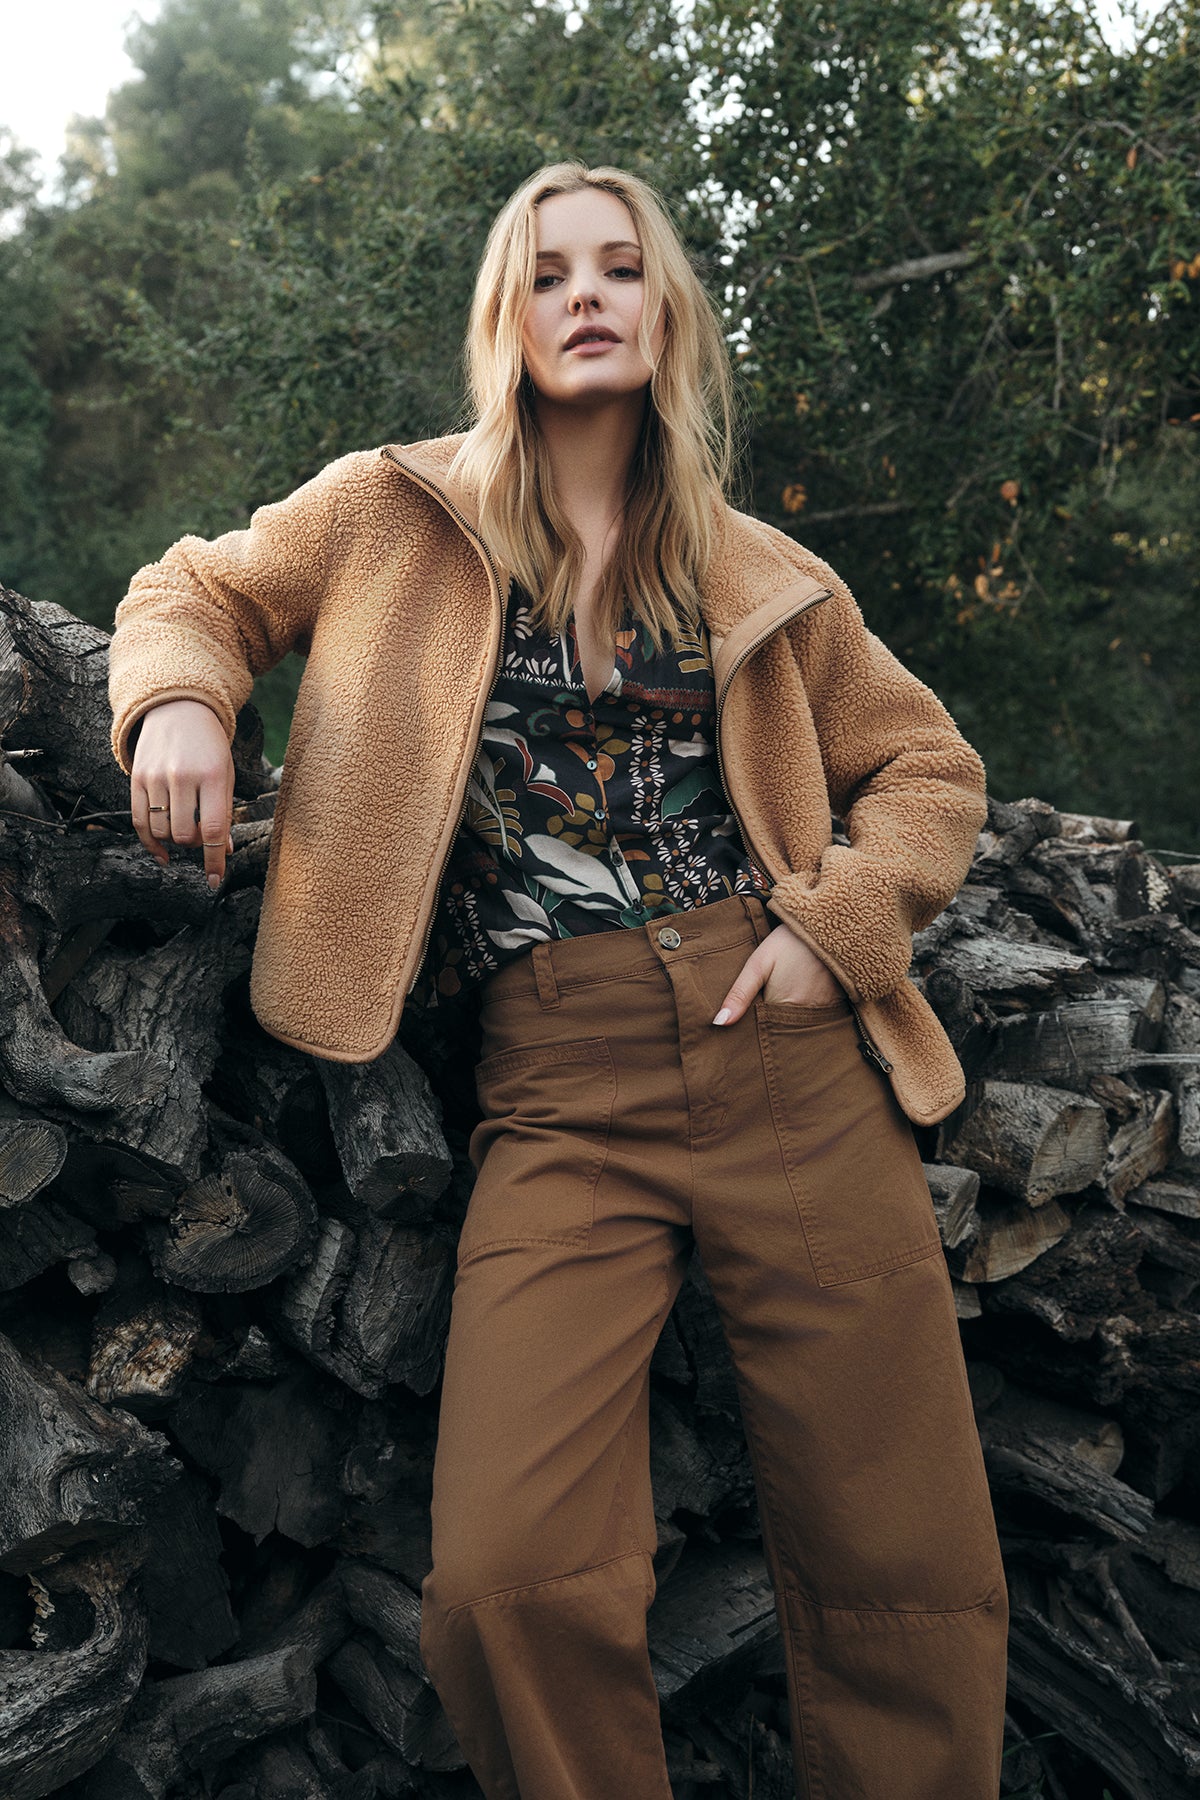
x,y
592,764
600,813
669,938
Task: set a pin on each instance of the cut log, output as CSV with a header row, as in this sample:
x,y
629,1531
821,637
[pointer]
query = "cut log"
x,y
1186,1089
194,1721
54,700
1141,1147
1171,1266
386,1125
371,1307
32,1151
245,1220
1064,1459
93,1273
276,1452
280,1615
388,1477
184,1585
1086,1279
1010,1236
999,970
163,1005
1181,1197
1091,828
1067,1678
71,1472
955,1193
1012,828
1058,896
706,1347
1065,1046
714,1623
35,1237
277,1090
1029,1141
143,1340
62,1702
403,1709
696,1469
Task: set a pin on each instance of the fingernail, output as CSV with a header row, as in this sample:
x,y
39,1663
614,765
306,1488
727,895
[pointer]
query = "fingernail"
x,y
721,1016
214,881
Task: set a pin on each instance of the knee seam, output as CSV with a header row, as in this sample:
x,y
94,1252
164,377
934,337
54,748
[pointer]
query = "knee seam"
x,y
918,1612
529,1587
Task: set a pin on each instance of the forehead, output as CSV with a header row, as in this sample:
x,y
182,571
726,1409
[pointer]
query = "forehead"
x,y
592,216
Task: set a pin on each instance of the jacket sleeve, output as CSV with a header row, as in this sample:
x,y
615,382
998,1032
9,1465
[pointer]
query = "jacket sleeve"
x,y
906,785
213,614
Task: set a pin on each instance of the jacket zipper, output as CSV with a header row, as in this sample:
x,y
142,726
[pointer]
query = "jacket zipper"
x,y
486,554
769,631
867,1044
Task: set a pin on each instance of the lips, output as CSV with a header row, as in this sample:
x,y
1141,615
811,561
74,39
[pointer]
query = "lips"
x,y
589,334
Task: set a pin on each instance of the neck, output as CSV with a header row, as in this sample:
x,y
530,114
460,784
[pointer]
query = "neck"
x,y
590,453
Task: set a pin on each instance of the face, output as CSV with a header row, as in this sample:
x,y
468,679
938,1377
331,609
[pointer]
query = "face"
x,y
589,280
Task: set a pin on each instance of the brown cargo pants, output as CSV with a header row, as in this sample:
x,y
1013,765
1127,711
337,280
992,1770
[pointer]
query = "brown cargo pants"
x,y
618,1123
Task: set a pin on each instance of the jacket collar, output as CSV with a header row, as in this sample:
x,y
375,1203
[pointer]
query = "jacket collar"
x,y
754,582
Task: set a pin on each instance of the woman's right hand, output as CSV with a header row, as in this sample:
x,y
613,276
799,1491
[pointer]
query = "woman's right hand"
x,y
182,761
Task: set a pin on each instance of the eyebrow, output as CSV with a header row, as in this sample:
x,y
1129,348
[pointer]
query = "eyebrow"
x,y
605,249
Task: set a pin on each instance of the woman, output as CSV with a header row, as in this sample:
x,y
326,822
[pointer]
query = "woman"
x,y
569,730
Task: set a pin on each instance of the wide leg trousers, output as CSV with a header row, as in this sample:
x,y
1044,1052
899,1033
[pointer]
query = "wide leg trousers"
x,y
618,1125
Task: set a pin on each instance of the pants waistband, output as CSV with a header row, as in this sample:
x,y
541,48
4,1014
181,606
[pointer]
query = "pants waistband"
x,y
629,951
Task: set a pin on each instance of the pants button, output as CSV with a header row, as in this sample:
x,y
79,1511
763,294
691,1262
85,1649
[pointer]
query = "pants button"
x,y
669,938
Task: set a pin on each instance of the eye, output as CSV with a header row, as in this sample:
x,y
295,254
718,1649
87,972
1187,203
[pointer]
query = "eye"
x,y
539,279
626,269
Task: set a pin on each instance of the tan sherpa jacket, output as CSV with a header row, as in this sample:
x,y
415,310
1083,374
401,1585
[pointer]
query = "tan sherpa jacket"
x,y
376,571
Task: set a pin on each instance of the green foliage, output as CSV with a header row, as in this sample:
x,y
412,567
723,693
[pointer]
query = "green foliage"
x,y
956,242
964,280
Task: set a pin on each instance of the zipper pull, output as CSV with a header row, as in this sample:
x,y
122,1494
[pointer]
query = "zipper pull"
x,y
867,1046
873,1054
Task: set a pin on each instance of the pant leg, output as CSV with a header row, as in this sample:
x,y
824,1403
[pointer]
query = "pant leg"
x,y
572,1252
817,1233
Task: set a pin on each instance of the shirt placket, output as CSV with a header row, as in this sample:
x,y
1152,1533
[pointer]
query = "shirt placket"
x,y
601,814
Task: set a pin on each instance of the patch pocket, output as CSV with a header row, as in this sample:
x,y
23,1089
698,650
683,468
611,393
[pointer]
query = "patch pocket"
x,y
540,1147
848,1149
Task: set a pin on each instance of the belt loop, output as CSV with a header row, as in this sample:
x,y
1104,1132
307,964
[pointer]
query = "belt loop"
x,y
543,974
756,912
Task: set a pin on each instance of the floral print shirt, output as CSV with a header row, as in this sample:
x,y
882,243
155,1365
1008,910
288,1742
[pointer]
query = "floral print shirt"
x,y
584,817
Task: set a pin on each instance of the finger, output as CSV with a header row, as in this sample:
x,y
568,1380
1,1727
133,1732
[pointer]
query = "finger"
x,y
150,826
185,826
215,834
750,978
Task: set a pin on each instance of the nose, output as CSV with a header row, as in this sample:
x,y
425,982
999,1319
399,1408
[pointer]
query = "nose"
x,y
583,296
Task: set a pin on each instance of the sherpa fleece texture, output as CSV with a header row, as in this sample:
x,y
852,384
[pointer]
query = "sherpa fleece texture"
x,y
375,571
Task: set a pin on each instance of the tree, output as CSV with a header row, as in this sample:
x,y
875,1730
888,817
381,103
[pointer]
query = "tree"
x,y
962,283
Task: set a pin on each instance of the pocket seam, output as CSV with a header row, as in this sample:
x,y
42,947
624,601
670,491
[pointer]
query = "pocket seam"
x,y
595,1050
799,1012
827,1274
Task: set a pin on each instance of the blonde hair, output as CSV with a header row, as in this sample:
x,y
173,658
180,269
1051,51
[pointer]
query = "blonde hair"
x,y
682,464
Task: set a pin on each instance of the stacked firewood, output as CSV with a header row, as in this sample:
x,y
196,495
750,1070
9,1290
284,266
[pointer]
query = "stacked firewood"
x,y
225,1277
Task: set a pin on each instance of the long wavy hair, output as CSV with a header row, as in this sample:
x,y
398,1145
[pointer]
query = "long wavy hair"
x,y
683,461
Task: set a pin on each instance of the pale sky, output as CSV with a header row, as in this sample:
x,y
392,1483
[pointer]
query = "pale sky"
x,y
58,58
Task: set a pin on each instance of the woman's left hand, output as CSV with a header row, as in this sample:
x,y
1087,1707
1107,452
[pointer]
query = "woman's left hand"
x,y
791,971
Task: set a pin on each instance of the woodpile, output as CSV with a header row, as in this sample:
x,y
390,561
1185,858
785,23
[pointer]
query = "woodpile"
x,y
225,1276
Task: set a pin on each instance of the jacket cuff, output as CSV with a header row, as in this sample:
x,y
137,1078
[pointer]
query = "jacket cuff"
x,y
125,722
852,918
